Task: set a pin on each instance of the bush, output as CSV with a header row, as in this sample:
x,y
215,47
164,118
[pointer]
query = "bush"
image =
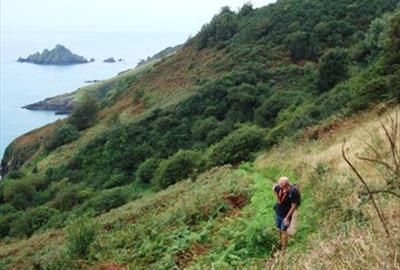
x,y
70,196
392,52
116,179
333,68
222,27
26,223
80,237
6,221
146,170
39,216
202,127
63,135
181,165
394,86
266,114
302,45
19,193
370,92
20,226
84,114
107,200
237,146
15,175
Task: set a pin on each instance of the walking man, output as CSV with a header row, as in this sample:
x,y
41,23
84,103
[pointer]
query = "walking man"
x,y
287,200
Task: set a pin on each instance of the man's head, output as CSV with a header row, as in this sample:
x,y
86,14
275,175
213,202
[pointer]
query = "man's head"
x,y
283,182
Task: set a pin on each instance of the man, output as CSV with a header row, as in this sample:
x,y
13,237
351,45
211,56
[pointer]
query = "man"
x,y
287,200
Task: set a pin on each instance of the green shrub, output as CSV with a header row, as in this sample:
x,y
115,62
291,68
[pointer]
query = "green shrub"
x,y
116,179
392,51
237,146
26,223
266,114
6,221
20,226
394,86
302,45
146,170
15,175
107,200
80,237
69,197
181,165
19,193
333,68
369,93
39,216
62,135
222,27
219,132
84,114
202,127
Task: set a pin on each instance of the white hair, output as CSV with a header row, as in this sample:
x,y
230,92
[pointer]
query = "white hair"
x,y
283,180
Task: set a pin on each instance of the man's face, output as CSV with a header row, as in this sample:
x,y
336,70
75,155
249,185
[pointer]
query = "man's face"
x,y
283,185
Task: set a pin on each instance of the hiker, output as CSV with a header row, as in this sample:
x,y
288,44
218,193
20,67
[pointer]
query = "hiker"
x,y
287,201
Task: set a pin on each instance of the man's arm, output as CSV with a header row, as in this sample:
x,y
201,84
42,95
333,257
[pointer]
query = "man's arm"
x,y
289,214
276,193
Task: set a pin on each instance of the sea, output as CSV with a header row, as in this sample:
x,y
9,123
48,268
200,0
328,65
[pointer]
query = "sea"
x,y
25,83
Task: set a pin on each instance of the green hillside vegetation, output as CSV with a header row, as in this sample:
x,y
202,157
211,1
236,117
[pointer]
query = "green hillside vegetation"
x,y
173,168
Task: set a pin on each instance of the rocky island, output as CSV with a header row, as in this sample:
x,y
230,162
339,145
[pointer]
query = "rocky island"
x,y
60,55
112,60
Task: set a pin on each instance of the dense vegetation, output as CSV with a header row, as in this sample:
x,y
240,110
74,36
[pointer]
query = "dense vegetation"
x,y
283,68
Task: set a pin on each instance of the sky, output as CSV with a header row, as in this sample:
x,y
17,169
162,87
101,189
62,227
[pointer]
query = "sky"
x,y
179,16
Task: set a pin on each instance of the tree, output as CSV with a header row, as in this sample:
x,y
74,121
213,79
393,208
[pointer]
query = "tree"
x,y
181,165
237,146
246,9
63,135
146,170
19,193
302,45
333,68
376,37
222,27
392,52
84,114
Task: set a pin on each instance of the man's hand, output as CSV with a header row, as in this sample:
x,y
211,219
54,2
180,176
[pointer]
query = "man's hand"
x,y
286,222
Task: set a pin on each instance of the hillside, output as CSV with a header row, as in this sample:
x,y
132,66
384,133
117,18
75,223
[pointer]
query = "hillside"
x,y
64,103
172,168
224,219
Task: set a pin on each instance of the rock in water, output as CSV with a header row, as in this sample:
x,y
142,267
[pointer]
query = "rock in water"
x,y
57,56
110,60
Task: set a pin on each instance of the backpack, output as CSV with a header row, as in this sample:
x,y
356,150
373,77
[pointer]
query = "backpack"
x,y
297,188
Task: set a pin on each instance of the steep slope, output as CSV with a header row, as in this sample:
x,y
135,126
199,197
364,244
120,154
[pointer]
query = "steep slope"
x,y
249,81
225,220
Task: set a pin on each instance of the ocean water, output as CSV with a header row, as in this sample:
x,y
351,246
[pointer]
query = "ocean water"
x,y
24,83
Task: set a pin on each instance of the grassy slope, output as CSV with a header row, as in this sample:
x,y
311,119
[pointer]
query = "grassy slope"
x,y
167,79
224,219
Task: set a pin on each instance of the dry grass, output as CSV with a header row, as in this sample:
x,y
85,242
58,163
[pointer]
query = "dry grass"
x,y
337,245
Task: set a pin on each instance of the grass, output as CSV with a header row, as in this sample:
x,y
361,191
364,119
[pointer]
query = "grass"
x,y
224,219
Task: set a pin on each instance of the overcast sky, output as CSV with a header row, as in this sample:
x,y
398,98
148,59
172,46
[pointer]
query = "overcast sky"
x,y
179,16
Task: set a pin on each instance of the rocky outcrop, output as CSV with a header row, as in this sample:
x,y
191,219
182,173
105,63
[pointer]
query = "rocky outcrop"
x,y
62,104
57,56
109,60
